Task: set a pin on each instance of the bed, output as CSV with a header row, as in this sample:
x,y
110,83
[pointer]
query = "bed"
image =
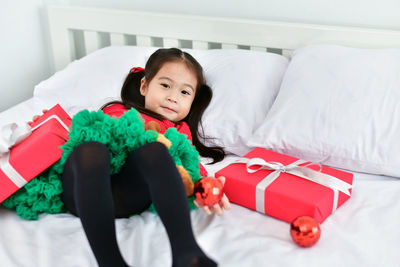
x,y
322,93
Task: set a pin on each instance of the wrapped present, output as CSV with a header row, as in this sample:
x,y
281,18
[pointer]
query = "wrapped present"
x,y
27,151
285,187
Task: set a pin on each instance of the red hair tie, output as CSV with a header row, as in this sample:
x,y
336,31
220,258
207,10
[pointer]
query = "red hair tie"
x,y
136,69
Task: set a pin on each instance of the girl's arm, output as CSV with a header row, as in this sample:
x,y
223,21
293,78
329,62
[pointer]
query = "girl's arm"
x,y
224,203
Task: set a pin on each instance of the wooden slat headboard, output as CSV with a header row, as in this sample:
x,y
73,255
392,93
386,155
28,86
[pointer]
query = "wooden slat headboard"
x,y
77,31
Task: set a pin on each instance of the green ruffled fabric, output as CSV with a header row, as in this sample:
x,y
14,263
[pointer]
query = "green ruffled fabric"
x,y
43,193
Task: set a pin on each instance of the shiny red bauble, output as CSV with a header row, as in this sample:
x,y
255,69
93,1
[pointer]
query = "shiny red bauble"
x,y
305,231
208,191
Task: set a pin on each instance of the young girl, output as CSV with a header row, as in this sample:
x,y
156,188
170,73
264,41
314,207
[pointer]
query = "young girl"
x,y
171,90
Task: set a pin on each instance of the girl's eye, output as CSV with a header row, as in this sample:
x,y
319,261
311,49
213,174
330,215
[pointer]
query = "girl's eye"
x,y
165,85
185,92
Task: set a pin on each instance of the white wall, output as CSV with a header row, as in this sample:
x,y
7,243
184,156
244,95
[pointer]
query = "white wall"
x,y
383,13
25,57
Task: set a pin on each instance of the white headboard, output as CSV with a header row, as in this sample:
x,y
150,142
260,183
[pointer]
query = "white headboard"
x,y
77,31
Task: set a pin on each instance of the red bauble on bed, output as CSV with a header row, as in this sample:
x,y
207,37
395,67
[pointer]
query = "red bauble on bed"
x,y
305,231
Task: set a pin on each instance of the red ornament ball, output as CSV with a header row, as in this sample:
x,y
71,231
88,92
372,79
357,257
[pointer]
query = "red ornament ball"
x,y
305,231
208,191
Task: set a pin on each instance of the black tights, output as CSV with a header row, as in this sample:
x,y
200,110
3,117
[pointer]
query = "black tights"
x,y
97,198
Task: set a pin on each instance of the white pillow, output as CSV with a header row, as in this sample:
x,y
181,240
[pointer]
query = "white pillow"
x,y
338,106
93,80
244,83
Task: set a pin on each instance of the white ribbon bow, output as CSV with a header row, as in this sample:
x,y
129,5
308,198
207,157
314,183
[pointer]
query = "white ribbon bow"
x,y
301,171
12,134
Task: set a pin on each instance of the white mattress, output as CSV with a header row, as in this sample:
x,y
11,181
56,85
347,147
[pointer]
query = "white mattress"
x,y
363,232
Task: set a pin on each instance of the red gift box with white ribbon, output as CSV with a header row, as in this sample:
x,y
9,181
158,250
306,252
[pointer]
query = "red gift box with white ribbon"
x,y
36,148
285,187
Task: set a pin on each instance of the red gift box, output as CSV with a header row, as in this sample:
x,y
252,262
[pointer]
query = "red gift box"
x,y
36,153
285,187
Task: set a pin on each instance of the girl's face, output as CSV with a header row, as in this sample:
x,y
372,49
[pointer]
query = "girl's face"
x,y
171,92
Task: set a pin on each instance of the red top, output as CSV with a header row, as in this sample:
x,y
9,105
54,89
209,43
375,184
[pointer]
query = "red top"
x,y
118,110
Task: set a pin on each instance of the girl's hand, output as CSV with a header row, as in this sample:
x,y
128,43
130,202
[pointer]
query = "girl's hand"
x,y
218,208
36,117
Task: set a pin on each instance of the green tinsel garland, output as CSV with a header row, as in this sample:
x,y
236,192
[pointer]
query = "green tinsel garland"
x,y
43,193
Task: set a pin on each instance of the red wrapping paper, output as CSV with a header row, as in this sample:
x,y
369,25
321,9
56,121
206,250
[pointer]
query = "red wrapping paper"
x,y
38,151
288,196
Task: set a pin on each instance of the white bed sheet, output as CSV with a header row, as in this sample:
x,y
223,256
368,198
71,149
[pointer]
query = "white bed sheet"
x,y
363,232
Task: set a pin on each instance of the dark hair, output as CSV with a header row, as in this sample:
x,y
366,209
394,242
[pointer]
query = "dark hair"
x,y
131,96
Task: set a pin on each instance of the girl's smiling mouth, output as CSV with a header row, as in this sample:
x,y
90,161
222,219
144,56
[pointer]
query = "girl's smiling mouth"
x,y
169,109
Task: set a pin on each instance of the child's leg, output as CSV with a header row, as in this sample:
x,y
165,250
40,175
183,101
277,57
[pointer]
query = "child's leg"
x,y
87,193
157,168
149,170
